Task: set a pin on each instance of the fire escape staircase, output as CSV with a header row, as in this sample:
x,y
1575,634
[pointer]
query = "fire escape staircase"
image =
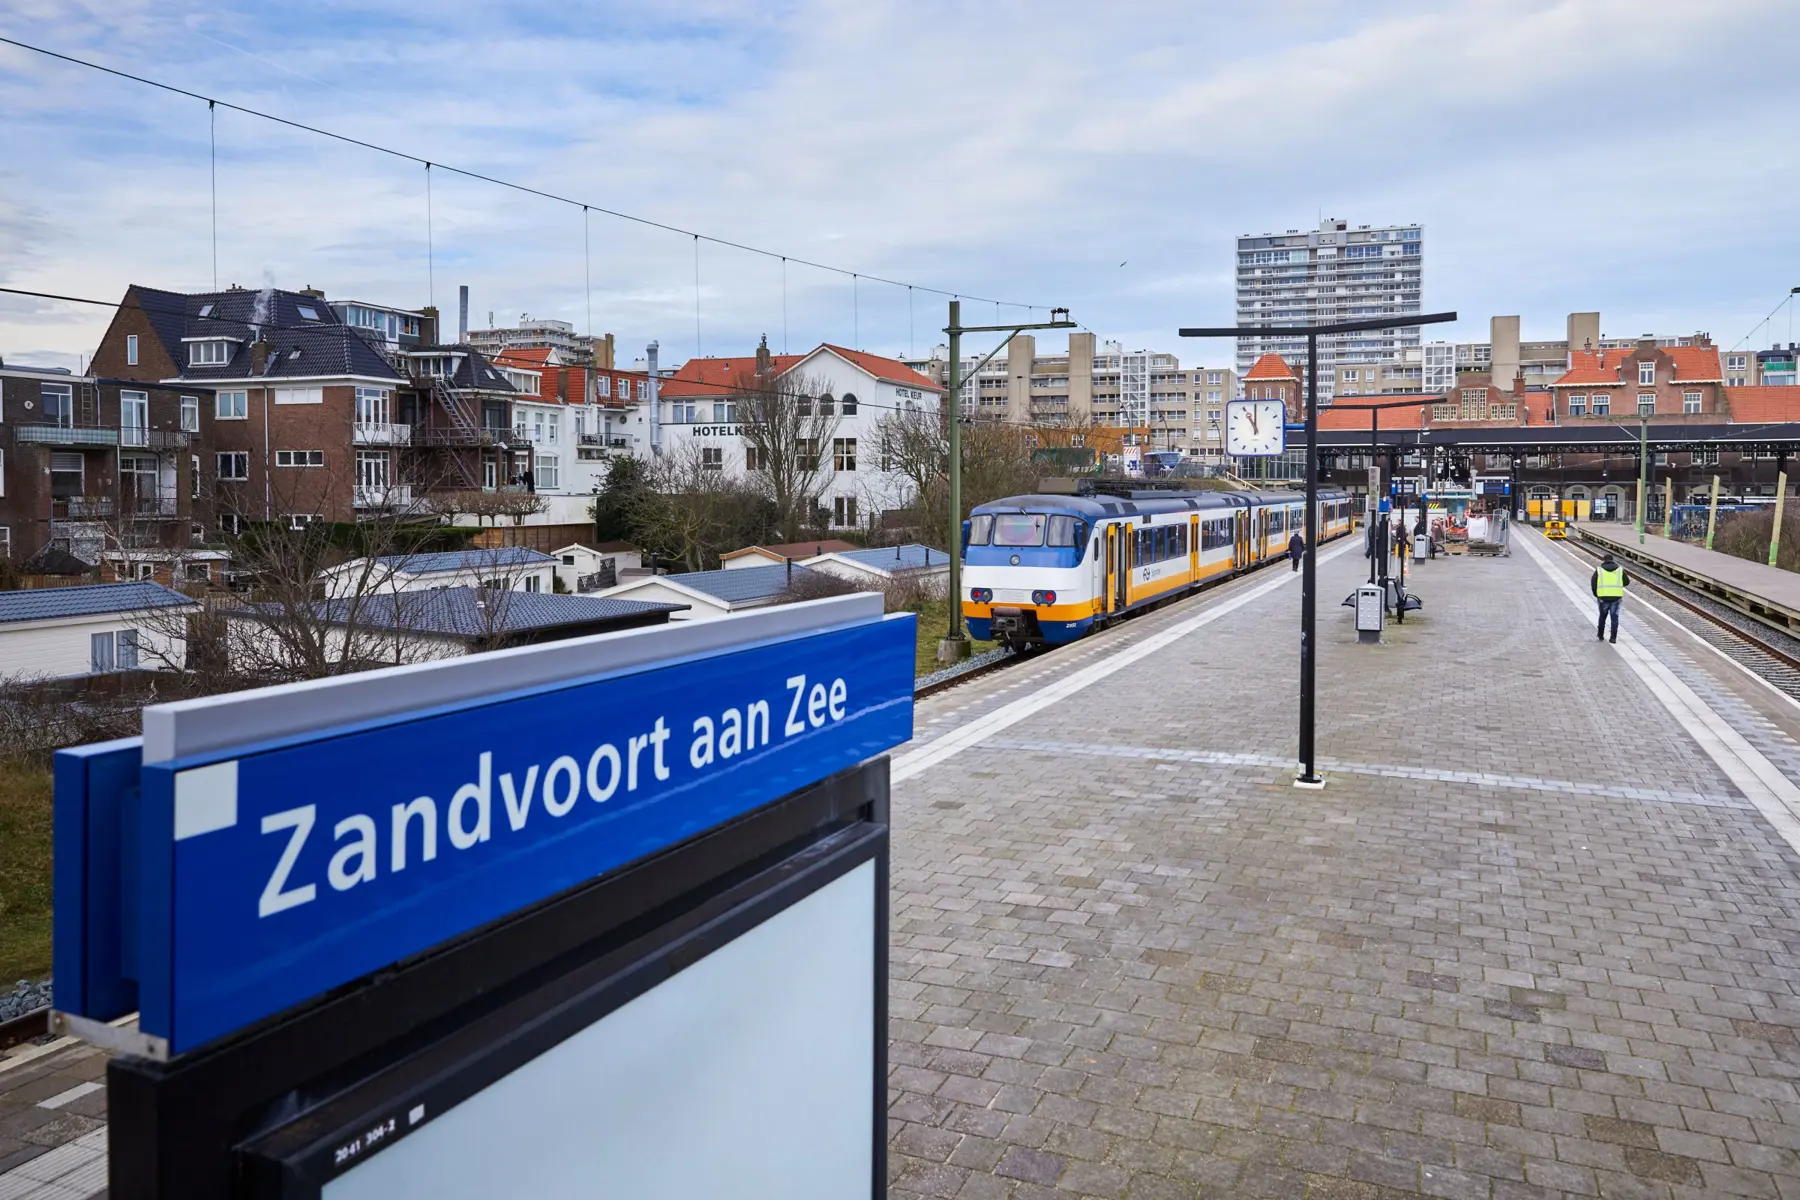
x,y
464,430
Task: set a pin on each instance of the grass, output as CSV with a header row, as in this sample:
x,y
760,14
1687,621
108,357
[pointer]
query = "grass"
x,y
24,873
934,619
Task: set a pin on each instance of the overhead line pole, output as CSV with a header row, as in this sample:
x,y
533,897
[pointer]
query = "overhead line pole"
x,y
955,645
1309,776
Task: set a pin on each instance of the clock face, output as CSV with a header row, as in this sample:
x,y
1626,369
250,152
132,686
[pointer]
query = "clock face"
x,y
1255,428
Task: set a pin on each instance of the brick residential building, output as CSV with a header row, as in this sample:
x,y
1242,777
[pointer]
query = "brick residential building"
x,y
95,465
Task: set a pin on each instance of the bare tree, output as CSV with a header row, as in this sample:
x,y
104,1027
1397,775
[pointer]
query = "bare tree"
x,y
489,506
692,510
787,422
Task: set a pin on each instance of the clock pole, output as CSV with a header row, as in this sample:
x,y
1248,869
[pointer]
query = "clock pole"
x,y
1309,776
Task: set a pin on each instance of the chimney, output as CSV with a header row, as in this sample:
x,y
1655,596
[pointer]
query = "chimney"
x,y
655,400
462,315
428,325
762,358
259,355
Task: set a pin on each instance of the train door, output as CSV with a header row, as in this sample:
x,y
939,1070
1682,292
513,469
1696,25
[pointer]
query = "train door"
x,y
1262,535
1193,549
1240,541
1122,571
1112,566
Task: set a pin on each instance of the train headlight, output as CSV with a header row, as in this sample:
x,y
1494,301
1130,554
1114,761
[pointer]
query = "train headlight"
x,y
1043,597
981,595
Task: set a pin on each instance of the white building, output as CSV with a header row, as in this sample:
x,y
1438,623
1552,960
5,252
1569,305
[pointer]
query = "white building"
x,y
713,594
698,407
503,568
877,566
1334,273
53,633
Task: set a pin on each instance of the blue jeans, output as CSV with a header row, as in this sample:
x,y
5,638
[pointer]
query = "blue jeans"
x,y
1609,607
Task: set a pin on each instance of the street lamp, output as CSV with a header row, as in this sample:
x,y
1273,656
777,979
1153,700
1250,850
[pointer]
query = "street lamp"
x,y
1309,776
955,645
1644,411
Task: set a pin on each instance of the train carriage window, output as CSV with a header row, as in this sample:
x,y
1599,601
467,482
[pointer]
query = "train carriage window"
x,y
1019,529
1063,532
981,529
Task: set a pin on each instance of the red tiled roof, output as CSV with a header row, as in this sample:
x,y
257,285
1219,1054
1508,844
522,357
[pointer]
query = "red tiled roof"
x,y
716,376
1271,366
1588,368
1696,364
523,356
1538,408
1755,405
888,370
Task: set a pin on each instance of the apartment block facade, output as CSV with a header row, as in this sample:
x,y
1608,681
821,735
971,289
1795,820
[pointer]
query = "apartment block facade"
x,y
96,466
1334,273
1142,397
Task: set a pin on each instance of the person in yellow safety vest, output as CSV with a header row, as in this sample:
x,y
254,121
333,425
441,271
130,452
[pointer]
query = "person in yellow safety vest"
x,y
1609,582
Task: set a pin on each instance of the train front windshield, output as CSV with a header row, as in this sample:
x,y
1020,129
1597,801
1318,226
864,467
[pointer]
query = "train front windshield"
x,y
1020,530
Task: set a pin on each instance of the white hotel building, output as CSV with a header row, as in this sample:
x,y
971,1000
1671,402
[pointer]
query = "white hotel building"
x,y
696,405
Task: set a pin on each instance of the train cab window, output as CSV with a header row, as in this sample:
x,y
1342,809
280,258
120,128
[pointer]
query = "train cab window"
x,y
981,529
1019,529
1063,531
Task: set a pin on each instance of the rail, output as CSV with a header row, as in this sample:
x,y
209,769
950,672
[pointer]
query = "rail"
x,y
25,1027
1761,608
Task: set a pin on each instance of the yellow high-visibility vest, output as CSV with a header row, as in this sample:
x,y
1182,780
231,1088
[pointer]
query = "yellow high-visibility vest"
x,y
1611,584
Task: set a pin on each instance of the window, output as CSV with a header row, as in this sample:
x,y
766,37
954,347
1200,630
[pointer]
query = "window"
x,y
981,529
752,461
190,414
134,418
230,524
374,406
843,454
300,395
1065,531
547,472
534,583
1351,375
230,406
682,412
194,477
490,474
1577,406
214,353
1706,458
712,458
1646,373
127,643
843,510
1735,362
1646,402
848,406
372,469
827,406
724,412
59,403
299,458
803,406
131,350
1019,529
234,464
299,521
643,389
310,314
198,572
806,452
100,652
1690,402
1602,404
603,386
553,426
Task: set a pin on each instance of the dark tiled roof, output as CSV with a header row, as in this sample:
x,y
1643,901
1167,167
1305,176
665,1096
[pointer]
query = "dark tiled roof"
x,y
483,612
45,604
325,346
743,584
910,557
467,560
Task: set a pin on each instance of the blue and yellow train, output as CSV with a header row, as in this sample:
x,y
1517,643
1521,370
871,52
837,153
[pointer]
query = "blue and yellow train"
x,y
1044,570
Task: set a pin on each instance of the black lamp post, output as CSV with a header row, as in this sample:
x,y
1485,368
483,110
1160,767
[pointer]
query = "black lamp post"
x,y
1309,776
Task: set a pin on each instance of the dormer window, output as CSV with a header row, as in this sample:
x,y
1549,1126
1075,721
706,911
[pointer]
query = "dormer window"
x,y
210,352
311,314
1646,373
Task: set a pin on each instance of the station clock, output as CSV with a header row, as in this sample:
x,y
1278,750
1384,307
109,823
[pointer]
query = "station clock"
x,y
1255,428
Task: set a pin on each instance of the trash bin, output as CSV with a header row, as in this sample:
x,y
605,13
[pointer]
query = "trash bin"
x,y
1371,612
1421,547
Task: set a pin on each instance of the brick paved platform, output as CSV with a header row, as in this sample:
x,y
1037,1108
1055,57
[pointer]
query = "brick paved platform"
x,y
1531,940
1537,937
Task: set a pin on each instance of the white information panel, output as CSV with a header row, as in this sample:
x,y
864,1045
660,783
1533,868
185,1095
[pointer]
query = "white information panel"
x,y
748,1075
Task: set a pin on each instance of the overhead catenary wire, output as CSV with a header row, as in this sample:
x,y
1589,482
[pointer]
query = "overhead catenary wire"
x,y
212,139
1788,300
463,171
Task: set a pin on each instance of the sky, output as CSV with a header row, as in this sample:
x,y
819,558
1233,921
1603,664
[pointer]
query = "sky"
x,y
1630,156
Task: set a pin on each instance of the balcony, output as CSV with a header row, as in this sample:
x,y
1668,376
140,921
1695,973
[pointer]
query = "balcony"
x,y
378,433
152,439
394,495
80,508
65,435
164,507
449,435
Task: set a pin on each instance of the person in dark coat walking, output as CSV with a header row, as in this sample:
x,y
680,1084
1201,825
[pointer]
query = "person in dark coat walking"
x,y
1296,549
1608,583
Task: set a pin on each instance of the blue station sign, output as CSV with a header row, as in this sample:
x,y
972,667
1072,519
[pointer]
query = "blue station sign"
x,y
275,872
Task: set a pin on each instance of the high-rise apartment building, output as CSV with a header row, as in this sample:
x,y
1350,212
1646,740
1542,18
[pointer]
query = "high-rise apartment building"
x,y
545,333
1334,273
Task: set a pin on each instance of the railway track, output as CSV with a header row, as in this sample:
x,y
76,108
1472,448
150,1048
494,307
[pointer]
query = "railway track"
x,y
24,1028
1762,647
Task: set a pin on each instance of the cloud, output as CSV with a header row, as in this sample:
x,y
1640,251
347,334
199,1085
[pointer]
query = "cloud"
x,y
1610,154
